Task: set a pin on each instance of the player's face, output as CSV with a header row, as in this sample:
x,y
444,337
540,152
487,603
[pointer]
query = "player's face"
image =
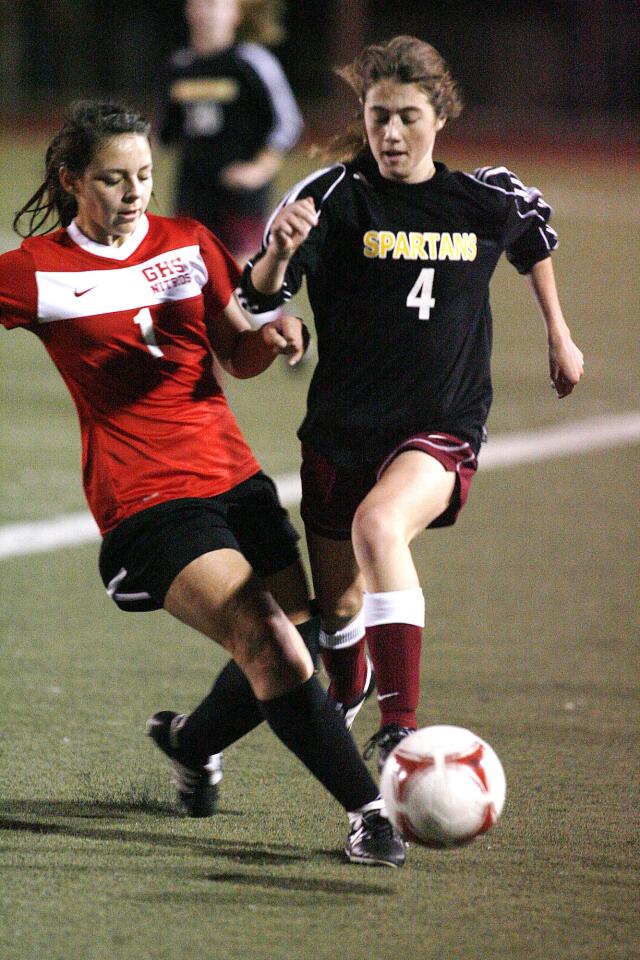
x,y
401,128
213,23
114,190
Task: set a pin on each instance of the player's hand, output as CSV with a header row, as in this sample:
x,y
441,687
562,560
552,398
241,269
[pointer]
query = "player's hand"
x,y
286,335
243,175
566,366
292,226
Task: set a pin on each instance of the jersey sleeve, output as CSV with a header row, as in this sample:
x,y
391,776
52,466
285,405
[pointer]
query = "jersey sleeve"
x,y
18,291
320,186
528,236
287,119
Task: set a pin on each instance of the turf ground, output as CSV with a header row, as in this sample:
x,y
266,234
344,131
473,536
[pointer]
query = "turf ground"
x,y
532,638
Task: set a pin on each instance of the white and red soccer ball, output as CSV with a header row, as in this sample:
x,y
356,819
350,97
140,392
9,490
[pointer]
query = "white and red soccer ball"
x,y
443,786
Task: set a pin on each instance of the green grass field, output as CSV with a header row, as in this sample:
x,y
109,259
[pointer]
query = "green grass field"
x,y
532,641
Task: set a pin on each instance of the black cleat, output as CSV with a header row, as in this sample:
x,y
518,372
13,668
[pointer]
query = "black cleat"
x,y
350,710
385,740
197,786
374,841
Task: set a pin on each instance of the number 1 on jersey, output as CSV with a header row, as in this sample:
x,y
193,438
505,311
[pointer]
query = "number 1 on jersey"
x,y
145,321
420,293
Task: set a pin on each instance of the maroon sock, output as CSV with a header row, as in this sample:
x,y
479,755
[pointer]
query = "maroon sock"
x,y
347,671
395,652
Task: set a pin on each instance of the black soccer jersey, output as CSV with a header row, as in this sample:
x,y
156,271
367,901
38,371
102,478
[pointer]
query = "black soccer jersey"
x,y
223,108
398,278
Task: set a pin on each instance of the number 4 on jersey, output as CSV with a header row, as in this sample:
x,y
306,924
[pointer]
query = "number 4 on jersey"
x,y
145,321
420,293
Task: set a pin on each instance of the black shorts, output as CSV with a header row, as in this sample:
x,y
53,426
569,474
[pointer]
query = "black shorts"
x,y
142,556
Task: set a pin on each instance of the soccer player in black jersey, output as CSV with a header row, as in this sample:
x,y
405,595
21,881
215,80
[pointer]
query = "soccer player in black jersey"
x,y
231,110
398,252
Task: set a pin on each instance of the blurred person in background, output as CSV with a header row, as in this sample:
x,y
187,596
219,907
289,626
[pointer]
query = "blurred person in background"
x,y
131,306
231,111
398,252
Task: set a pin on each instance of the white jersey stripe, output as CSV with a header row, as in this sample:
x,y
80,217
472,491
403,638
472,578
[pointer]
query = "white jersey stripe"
x,y
297,189
530,194
503,452
543,234
178,274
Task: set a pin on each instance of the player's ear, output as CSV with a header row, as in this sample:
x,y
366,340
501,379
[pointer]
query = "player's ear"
x,y
67,181
440,123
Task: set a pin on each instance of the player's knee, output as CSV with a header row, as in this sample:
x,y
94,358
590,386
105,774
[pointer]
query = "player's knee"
x,y
376,529
273,656
339,612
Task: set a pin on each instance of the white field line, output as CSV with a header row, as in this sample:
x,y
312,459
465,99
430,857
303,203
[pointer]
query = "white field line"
x,y
598,433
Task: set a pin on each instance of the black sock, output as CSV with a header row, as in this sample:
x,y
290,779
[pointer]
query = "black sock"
x,y
227,713
310,633
230,710
308,724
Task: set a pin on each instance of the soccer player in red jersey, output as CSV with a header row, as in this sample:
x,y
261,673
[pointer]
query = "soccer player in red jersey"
x,y
130,307
398,252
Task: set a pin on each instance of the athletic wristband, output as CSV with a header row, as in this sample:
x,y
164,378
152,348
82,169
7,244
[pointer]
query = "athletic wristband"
x,y
253,300
306,336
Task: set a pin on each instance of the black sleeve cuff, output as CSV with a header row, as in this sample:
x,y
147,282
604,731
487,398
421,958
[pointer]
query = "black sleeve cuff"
x,y
253,300
525,264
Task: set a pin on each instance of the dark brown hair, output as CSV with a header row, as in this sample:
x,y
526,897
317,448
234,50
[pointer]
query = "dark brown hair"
x,y
407,60
89,123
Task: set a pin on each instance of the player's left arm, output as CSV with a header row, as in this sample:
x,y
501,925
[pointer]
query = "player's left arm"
x,y
529,240
254,173
272,88
566,362
244,352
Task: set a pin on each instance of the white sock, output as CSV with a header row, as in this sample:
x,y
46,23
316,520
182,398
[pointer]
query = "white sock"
x,y
345,636
356,815
394,606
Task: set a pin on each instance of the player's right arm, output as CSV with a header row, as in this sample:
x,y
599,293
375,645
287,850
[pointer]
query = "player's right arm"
x,y
289,230
294,243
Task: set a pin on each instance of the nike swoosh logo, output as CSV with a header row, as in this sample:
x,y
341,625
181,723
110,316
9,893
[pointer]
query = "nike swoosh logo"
x,y
384,696
81,293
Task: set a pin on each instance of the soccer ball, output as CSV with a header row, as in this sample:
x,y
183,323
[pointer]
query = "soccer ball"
x,y
443,786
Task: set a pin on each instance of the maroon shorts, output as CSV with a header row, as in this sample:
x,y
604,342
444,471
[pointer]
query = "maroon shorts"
x,y
332,494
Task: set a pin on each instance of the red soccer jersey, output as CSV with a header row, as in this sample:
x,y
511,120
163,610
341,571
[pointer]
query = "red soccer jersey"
x,y
126,327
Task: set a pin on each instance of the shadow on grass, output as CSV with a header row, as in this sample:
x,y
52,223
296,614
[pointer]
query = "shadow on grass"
x,y
300,884
269,886
102,809
88,809
13,814
241,852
